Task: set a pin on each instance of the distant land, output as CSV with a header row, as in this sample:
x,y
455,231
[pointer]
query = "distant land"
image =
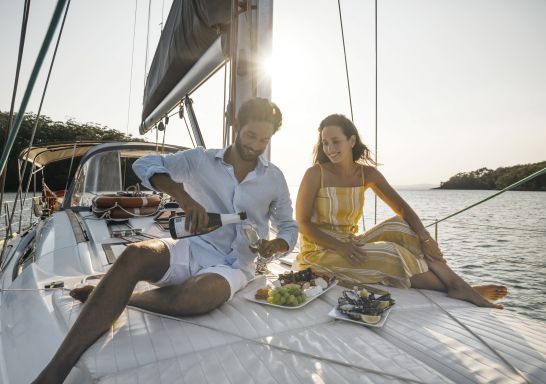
x,y
500,178
415,187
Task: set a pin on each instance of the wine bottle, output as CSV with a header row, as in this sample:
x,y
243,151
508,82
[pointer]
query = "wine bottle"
x,y
177,225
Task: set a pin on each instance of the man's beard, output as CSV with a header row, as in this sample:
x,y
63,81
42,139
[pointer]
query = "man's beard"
x,y
244,153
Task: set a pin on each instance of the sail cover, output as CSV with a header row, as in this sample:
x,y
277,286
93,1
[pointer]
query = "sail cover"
x,y
190,29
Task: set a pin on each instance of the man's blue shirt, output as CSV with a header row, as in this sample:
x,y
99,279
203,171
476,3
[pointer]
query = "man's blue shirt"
x,y
263,195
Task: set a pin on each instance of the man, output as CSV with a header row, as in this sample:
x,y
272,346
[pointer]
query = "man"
x,y
196,274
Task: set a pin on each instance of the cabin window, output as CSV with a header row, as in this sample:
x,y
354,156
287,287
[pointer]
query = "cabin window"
x,y
106,173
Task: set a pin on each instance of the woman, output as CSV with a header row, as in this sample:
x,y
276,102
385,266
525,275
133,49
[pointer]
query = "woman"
x,y
398,252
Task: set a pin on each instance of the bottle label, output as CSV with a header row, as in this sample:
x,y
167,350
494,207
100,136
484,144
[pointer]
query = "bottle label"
x,y
178,230
179,227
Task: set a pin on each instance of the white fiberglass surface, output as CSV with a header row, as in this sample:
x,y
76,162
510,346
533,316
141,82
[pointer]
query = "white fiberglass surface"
x,y
253,342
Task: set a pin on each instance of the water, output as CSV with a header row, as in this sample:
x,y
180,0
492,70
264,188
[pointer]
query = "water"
x,y
26,219
501,241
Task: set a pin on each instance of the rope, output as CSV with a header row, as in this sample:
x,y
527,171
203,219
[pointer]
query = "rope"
x,y
345,56
32,80
106,212
479,338
131,71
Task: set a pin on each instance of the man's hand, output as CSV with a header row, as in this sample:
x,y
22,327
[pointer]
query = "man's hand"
x,y
268,248
196,216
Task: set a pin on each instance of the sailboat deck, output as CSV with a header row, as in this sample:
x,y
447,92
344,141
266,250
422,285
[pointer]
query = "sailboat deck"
x,y
243,341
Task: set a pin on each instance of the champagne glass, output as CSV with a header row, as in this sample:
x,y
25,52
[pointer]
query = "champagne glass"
x,y
250,232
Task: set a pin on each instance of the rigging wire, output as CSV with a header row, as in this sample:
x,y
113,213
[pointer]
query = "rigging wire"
x,y
31,82
224,110
131,72
347,75
233,43
36,122
3,174
70,167
162,9
376,150
345,56
147,42
188,128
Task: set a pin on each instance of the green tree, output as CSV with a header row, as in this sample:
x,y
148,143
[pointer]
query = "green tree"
x,y
499,178
49,132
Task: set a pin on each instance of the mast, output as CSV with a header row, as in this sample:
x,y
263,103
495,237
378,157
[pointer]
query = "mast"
x,y
254,45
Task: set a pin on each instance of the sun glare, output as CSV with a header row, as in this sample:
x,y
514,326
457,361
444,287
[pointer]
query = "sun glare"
x,y
267,65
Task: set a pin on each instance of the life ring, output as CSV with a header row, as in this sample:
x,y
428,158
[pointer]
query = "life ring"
x,y
109,201
53,199
117,212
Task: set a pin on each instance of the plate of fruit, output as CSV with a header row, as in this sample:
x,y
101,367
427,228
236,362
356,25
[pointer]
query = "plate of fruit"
x,y
365,305
294,289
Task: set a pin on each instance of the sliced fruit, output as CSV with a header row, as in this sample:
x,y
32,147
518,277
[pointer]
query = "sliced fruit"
x,y
370,319
364,292
383,304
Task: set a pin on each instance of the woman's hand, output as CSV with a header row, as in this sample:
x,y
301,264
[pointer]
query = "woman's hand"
x,y
431,250
351,251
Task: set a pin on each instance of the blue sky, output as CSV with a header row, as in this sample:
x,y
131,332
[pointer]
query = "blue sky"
x,y
461,83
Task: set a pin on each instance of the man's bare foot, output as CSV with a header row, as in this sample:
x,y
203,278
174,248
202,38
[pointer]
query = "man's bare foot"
x,y
82,293
492,292
467,293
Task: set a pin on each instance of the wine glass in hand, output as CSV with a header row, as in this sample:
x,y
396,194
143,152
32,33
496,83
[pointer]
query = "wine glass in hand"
x,y
253,237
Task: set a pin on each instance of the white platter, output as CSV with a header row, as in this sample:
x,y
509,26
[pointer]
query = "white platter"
x,y
250,296
334,313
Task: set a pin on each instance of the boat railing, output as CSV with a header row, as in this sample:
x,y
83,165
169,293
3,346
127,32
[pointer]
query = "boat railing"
x,y
510,187
9,226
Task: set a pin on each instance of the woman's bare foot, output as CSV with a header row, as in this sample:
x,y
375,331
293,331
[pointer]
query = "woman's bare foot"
x,y
467,293
491,292
82,293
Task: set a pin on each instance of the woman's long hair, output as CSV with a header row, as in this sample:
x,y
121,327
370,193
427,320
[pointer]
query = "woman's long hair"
x,y
361,153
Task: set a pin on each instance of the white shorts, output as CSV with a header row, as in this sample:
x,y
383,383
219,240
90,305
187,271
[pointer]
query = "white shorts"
x,y
183,266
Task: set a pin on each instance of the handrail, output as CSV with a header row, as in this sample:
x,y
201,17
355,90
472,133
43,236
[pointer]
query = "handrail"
x,y
6,230
512,186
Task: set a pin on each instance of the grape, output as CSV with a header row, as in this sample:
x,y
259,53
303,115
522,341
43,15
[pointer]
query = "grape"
x,y
289,295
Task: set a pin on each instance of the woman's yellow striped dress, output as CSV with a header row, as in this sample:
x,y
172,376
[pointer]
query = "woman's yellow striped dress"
x,y
393,250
